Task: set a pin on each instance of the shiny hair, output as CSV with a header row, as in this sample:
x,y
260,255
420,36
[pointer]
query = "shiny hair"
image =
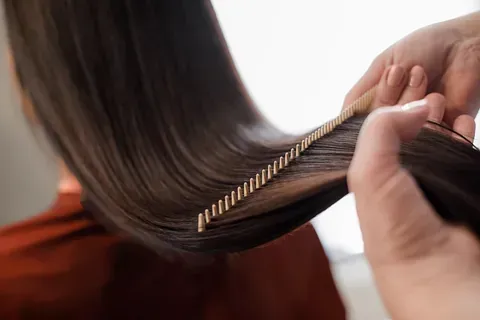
x,y
142,101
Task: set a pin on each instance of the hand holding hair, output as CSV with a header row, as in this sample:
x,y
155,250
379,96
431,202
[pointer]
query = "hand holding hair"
x,y
424,268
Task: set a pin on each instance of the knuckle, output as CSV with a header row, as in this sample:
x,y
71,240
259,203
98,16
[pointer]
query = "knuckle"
x,y
378,121
471,53
379,60
386,101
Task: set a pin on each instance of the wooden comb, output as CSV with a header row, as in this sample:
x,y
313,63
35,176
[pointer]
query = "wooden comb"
x,y
360,106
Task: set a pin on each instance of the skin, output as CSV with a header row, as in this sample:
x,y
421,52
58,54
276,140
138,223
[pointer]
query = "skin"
x,y
423,268
449,52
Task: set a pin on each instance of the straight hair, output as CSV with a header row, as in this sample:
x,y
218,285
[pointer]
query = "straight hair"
x,y
142,101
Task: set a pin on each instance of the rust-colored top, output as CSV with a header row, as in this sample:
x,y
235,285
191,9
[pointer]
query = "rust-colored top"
x,y
62,265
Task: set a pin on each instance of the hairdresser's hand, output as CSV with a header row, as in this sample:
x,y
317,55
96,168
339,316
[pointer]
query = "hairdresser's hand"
x,y
450,54
424,268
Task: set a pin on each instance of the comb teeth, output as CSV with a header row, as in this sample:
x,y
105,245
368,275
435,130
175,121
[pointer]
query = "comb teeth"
x,y
214,210
221,207
227,203
358,107
201,223
207,216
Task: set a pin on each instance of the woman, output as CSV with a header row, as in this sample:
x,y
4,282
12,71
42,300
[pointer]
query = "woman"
x,y
64,263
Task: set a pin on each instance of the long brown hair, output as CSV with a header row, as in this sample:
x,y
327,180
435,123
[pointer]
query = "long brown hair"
x,y
143,102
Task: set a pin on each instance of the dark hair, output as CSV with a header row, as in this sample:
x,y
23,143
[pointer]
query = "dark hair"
x,y
143,102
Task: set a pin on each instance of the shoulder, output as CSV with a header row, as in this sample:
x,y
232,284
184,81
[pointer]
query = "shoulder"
x,y
60,264
65,225
58,255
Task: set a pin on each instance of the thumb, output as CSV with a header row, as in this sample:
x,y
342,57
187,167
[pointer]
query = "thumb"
x,y
396,220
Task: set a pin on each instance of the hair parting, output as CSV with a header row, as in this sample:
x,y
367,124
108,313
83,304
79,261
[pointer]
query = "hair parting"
x,y
143,102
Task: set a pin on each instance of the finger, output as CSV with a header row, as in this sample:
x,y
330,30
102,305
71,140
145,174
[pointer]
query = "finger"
x,y
437,105
464,125
459,90
417,86
391,87
368,80
396,220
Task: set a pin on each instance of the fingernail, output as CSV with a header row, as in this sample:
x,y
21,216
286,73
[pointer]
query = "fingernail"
x,y
395,76
414,105
416,77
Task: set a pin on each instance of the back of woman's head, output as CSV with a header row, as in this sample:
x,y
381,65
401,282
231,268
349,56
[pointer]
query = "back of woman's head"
x,y
136,96
142,101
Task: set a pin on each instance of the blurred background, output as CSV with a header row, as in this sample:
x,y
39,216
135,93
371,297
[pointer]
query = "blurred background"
x,y
298,59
